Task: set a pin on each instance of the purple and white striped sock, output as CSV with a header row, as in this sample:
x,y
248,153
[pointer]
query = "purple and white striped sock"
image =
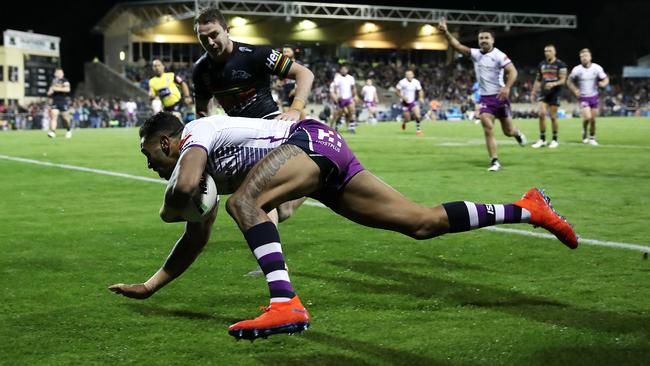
x,y
264,241
465,216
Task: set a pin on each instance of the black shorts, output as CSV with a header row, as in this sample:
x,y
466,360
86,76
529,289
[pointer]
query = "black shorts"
x,y
60,105
174,108
551,98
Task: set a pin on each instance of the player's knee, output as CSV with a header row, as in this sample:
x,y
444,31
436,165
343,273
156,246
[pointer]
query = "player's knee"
x,y
487,129
237,203
231,207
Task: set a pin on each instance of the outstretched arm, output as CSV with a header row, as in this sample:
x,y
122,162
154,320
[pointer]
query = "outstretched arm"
x,y
453,42
187,248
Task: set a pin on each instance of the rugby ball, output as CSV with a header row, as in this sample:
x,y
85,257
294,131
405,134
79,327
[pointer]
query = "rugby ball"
x,y
203,201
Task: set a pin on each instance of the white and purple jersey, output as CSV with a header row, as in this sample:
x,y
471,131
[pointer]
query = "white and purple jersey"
x,y
587,78
489,69
369,92
408,89
233,145
344,85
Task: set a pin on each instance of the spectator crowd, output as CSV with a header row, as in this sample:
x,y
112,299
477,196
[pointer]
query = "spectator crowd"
x,y
448,91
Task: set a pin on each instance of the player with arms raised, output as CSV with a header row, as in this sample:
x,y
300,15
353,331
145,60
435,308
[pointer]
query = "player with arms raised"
x,y
589,76
407,89
551,76
491,65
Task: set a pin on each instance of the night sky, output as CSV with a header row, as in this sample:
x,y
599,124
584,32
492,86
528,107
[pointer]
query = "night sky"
x,y
617,32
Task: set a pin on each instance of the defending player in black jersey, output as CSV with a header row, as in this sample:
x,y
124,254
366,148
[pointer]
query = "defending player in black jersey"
x,y
238,74
59,91
551,76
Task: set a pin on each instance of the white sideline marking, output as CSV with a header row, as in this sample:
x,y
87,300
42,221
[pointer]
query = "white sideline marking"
x,y
82,169
603,243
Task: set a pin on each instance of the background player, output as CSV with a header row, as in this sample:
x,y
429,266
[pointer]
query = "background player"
x,y
164,85
589,77
344,92
551,76
238,75
491,64
369,94
284,161
288,84
406,90
59,91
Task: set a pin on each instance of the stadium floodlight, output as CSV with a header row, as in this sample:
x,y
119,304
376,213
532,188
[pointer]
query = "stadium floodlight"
x,y
122,56
427,30
238,22
306,24
369,27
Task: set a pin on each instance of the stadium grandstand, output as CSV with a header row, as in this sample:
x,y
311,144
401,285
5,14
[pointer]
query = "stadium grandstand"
x,y
377,42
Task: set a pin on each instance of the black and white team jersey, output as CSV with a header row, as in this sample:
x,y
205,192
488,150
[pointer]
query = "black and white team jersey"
x,y
548,72
241,85
59,97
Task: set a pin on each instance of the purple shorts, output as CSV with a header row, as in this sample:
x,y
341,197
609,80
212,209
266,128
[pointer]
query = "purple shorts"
x,y
345,102
589,102
407,107
317,137
370,103
492,105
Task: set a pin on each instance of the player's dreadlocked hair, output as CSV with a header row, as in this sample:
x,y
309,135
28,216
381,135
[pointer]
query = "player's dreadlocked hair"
x,y
162,123
209,15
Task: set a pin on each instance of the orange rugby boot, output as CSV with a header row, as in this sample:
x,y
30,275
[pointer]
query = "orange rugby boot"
x,y
542,214
279,317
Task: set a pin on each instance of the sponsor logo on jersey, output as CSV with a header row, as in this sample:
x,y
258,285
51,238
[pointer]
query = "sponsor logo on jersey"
x,y
240,74
272,58
329,138
244,49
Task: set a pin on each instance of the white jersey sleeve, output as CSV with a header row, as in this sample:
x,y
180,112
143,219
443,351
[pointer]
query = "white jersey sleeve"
x,y
601,72
475,54
503,59
203,135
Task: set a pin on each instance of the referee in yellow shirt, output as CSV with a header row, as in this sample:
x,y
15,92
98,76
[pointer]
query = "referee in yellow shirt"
x,y
164,85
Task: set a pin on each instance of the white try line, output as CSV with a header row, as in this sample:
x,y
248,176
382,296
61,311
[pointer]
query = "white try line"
x,y
602,243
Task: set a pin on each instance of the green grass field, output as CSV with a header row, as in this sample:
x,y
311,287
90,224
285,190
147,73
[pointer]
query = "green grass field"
x,y
376,297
